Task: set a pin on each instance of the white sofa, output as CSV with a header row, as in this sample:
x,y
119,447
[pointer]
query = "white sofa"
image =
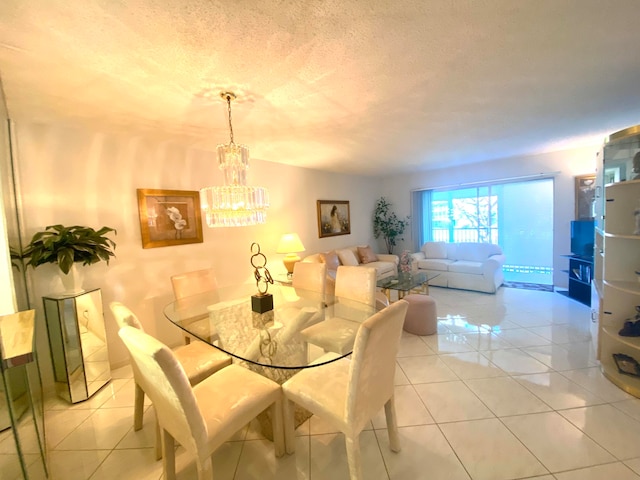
x,y
465,265
385,265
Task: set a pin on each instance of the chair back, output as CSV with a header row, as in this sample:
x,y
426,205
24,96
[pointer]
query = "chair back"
x,y
373,364
124,316
165,382
310,276
193,283
356,283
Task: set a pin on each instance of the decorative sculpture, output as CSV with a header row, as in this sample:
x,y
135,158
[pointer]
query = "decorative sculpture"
x,y
263,301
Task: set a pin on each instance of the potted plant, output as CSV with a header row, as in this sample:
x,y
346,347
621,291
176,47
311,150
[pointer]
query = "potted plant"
x,y
387,224
66,246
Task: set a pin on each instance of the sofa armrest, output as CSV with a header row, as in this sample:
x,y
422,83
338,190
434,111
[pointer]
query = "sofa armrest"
x,y
498,258
385,257
492,265
418,256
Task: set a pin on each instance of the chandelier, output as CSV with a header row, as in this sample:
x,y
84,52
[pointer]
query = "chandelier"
x,y
235,204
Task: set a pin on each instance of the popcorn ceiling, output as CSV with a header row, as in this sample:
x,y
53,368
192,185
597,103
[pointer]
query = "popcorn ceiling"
x,y
356,86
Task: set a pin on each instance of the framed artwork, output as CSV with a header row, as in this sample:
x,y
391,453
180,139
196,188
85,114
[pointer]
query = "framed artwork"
x,y
333,218
585,196
169,217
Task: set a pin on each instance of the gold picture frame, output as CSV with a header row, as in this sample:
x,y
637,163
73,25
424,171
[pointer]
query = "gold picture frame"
x,y
585,196
169,217
333,218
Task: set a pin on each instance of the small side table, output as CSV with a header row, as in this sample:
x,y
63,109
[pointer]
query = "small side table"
x,y
78,344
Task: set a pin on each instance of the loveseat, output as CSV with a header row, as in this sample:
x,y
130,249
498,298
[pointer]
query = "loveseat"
x,y
385,265
465,265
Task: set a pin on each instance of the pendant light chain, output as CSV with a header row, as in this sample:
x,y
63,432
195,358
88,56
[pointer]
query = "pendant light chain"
x,y
230,125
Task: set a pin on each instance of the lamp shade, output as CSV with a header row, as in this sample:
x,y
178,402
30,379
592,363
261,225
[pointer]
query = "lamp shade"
x,y
290,243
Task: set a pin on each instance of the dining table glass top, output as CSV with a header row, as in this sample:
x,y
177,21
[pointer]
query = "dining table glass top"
x,y
224,319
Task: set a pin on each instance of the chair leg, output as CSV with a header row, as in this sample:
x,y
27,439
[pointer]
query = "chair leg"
x,y
138,408
169,456
353,457
392,425
278,427
158,440
205,470
289,430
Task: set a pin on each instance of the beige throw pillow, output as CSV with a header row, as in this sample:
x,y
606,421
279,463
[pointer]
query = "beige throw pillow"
x,y
331,259
347,257
367,254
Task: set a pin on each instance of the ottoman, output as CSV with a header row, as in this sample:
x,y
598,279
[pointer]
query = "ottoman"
x,y
421,318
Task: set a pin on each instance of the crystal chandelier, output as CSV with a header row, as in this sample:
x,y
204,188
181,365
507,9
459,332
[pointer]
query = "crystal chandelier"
x,y
235,204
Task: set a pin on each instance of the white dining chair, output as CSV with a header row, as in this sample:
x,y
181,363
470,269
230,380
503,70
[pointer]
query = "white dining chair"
x,y
310,276
198,359
202,417
355,289
348,393
193,283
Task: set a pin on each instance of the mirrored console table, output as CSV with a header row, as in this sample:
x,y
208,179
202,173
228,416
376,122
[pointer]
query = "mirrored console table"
x,y
78,344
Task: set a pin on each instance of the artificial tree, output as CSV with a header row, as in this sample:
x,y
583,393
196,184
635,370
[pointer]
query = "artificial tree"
x,y
387,224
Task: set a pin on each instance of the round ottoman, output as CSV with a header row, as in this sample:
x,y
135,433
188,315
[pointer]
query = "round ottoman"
x,y
421,318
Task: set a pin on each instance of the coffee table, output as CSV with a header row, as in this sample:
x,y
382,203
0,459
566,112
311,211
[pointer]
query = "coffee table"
x,y
405,283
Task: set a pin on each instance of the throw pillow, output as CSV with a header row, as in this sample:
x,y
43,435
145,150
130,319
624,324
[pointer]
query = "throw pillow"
x,y
331,259
367,255
347,257
435,249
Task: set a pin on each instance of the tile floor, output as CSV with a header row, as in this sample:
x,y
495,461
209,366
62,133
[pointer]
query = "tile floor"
x,y
509,388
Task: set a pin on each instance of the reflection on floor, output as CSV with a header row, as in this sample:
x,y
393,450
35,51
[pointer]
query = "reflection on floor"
x,y
509,388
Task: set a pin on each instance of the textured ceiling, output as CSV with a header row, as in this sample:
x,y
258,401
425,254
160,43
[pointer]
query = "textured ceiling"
x,y
363,86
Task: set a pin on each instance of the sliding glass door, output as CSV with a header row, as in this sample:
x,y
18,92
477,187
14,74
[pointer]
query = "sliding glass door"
x,y
517,215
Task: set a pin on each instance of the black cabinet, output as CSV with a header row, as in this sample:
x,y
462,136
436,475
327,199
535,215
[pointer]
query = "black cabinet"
x,y
580,276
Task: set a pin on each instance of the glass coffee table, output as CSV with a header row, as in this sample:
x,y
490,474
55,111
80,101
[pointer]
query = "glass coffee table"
x,y
405,283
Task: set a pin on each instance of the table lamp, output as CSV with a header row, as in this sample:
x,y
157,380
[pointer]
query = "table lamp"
x,y
290,244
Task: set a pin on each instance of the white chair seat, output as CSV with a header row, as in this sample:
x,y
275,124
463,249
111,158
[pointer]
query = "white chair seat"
x,y
332,335
200,360
355,286
229,399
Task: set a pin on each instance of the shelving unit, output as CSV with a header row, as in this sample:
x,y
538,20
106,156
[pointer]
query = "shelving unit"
x,y
580,276
616,289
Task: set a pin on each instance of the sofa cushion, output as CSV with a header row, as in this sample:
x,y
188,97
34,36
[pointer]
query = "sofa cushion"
x,y
331,259
383,267
439,264
367,255
476,252
347,257
435,249
464,266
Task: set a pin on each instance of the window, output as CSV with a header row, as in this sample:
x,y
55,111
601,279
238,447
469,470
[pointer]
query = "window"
x,y
518,216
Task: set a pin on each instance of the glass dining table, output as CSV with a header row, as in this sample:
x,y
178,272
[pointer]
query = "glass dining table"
x,y
268,343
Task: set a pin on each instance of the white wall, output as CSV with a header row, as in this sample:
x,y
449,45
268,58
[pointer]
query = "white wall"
x,y
568,162
75,176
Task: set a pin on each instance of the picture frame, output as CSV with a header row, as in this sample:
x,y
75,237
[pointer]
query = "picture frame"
x,y
333,218
585,196
169,217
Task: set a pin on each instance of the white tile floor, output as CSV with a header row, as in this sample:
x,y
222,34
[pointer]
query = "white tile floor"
x,y
508,389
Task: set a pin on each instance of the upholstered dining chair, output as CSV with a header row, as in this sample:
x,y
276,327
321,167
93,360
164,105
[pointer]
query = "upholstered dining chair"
x,y
202,417
310,276
193,283
348,393
337,332
198,359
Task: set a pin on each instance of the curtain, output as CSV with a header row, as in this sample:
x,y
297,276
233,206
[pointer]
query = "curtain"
x,y
421,215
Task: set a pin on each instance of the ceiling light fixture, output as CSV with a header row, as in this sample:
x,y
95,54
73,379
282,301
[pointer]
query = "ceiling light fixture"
x,y
235,204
